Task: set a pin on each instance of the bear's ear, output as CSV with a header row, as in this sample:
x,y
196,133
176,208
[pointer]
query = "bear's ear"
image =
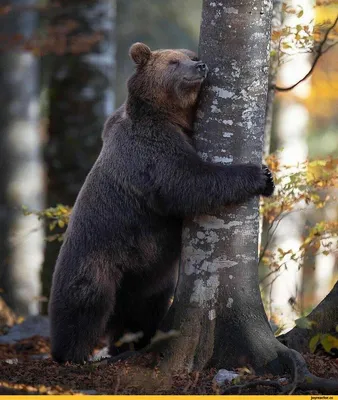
x,y
140,53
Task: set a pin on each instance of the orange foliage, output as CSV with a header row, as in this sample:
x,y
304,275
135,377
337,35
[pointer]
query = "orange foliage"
x,y
311,183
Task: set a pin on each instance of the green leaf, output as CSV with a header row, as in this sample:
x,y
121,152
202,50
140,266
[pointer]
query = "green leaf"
x,y
317,163
304,323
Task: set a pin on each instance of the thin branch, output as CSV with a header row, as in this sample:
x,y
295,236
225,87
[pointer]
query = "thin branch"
x,y
282,214
320,51
271,273
269,239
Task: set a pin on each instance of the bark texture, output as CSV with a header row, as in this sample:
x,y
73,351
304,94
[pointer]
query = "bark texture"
x,y
81,98
218,307
21,166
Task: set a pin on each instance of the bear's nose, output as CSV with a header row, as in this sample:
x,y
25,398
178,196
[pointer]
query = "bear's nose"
x,y
202,68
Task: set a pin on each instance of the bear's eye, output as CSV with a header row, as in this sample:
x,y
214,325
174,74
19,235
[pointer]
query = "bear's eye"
x,y
174,62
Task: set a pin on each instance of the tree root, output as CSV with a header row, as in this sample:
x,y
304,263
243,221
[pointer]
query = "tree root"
x,y
303,379
239,388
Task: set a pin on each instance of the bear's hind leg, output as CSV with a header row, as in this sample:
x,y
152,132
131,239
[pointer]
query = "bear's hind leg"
x,y
115,330
78,319
147,316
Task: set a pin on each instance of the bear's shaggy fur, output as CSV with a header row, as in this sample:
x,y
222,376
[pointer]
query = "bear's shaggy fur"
x,y
117,268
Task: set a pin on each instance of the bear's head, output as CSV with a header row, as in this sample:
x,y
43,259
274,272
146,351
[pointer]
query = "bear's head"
x,y
169,80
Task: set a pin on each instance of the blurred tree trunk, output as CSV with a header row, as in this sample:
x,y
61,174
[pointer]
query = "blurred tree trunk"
x,y
81,96
218,308
21,168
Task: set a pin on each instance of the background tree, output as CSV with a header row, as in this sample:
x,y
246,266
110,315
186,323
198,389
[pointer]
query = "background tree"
x,y
81,97
21,172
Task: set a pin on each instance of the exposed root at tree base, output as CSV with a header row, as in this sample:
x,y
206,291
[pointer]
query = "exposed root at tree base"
x,y
238,389
302,378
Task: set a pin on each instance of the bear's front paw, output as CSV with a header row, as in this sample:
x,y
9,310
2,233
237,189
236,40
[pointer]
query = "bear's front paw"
x,y
269,183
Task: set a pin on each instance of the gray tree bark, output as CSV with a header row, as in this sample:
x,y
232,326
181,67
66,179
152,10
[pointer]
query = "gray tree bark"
x,y
21,176
81,98
218,308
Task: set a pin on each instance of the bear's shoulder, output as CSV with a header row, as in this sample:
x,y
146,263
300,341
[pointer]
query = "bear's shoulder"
x,y
114,121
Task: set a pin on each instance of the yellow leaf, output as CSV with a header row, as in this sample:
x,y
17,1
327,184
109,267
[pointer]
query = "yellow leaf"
x,y
329,342
314,343
317,163
276,35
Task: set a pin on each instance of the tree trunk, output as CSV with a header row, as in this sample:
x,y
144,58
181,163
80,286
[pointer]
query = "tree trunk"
x,y
218,308
21,177
325,316
81,98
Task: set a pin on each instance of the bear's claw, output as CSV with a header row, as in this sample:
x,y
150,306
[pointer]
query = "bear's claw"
x,y
270,185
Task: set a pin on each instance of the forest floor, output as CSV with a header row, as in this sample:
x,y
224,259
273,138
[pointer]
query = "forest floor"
x,y
26,368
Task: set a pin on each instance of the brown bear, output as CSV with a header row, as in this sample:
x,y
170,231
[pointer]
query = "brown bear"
x,y
117,268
